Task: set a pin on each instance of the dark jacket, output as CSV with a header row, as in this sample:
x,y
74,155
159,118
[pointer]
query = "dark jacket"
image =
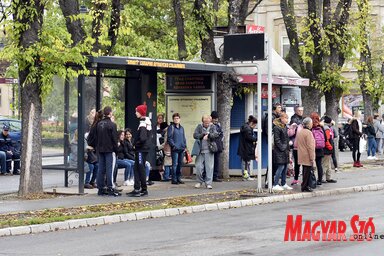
x,y
199,134
265,123
106,136
176,138
247,143
122,150
296,119
220,138
281,143
370,131
5,143
355,132
130,150
143,139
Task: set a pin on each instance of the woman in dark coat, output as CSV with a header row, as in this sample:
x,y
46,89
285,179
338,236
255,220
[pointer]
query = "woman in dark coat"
x,y
281,152
247,146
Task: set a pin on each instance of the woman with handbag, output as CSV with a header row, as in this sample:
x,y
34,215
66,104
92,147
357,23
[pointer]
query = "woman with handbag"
x,y
306,153
205,135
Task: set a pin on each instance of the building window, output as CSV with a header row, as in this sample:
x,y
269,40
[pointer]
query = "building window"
x,y
284,46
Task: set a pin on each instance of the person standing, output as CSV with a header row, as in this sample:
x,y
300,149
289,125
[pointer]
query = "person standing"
x,y
205,134
281,152
106,149
379,134
371,134
220,147
247,146
306,152
328,149
355,135
319,135
142,148
294,128
178,143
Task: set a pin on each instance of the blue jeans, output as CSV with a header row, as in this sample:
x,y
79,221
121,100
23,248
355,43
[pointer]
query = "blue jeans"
x,y
107,163
3,162
93,169
280,171
128,165
371,146
167,172
177,162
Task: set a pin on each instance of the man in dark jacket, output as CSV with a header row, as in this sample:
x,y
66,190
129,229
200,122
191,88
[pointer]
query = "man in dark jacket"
x,y
176,139
220,147
106,148
141,148
247,146
11,153
297,118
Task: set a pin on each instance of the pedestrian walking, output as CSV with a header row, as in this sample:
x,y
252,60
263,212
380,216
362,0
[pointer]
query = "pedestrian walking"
x,y
319,136
356,131
371,135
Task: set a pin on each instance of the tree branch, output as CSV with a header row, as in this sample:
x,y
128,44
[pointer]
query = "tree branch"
x,y
70,8
114,25
98,10
258,2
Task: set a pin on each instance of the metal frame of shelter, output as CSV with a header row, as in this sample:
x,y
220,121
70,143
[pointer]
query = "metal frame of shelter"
x,y
129,65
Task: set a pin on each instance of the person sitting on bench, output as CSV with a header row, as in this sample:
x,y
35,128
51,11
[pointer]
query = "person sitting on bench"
x,y
10,151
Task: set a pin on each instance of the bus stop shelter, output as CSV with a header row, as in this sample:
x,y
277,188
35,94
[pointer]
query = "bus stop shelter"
x,y
140,87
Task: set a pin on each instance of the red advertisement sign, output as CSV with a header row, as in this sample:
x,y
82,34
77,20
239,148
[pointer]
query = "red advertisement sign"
x,y
254,29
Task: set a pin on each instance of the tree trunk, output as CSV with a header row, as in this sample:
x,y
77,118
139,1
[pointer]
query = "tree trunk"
x,y
31,180
70,8
179,21
224,98
311,98
368,101
332,99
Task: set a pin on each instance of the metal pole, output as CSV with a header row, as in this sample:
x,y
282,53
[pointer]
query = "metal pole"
x,y
259,118
66,129
80,132
269,44
259,131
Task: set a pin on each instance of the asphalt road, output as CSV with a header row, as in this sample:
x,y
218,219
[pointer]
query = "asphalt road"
x,y
257,230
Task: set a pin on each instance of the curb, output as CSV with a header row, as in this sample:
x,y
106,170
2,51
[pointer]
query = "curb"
x,y
111,219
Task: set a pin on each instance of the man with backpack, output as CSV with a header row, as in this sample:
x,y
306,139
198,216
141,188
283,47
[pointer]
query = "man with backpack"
x,y
328,149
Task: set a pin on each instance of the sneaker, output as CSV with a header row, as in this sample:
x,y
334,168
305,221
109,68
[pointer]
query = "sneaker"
x,y
17,172
336,170
150,183
277,188
131,182
144,193
180,182
286,187
295,182
113,192
248,179
370,157
126,183
331,181
209,186
245,175
198,185
374,158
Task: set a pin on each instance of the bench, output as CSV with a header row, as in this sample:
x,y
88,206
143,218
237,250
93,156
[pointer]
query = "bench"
x,y
66,168
190,166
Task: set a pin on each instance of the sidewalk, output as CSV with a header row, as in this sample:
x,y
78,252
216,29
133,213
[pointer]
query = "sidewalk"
x,y
350,177
350,180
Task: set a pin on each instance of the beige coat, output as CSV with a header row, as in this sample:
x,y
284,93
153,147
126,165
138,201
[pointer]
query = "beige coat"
x,y
305,148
